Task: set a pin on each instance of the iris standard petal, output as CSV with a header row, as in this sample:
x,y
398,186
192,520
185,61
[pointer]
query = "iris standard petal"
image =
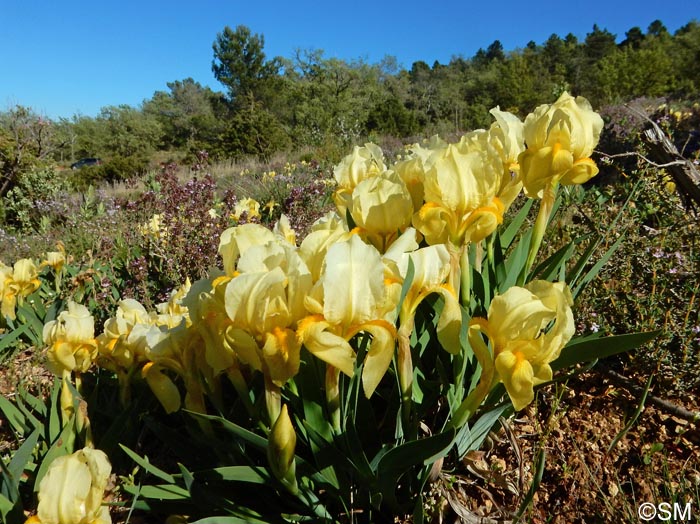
x,y
353,282
237,240
381,207
257,301
63,491
518,314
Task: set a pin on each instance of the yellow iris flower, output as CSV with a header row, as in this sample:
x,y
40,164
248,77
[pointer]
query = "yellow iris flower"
x,y
247,316
351,297
248,206
264,300
122,342
175,349
154,229
431,272
55,259
363,163
260,334
560,139
381,208
20,283
72,490
174,345
527,327
71,340
207,308
412,168
431,267
461,203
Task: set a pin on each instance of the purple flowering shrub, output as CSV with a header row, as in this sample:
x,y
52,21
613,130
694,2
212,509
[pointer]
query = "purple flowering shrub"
x,y
190,218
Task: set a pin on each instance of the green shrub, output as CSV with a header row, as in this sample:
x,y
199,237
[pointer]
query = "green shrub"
x,y
255,131
31,203
391,117
115,170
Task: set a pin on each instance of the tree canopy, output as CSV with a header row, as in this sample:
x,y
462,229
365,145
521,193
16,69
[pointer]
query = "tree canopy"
x,y
310,99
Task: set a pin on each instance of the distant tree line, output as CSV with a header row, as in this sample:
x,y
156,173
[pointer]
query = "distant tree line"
x,y
310,100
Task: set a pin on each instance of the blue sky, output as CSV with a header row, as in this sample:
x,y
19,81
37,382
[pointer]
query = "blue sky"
x,y
73,57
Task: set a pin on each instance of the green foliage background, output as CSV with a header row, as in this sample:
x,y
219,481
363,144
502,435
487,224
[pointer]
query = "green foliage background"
x,y
309,100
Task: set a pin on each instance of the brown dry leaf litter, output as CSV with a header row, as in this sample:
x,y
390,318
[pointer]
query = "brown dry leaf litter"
x,y
585,480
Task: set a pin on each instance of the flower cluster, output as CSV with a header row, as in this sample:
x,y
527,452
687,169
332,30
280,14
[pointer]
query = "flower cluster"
x,y
400,234
17,283
247,206
24,278
154,230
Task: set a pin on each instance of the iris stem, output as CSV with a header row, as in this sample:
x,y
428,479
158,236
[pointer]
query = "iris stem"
x,y
236,378
465,277
273,400
67,409
471,404
405,370
546,206
333,395
454,279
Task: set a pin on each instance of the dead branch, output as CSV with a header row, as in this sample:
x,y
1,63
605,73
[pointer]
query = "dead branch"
x,y
664,154
639,155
